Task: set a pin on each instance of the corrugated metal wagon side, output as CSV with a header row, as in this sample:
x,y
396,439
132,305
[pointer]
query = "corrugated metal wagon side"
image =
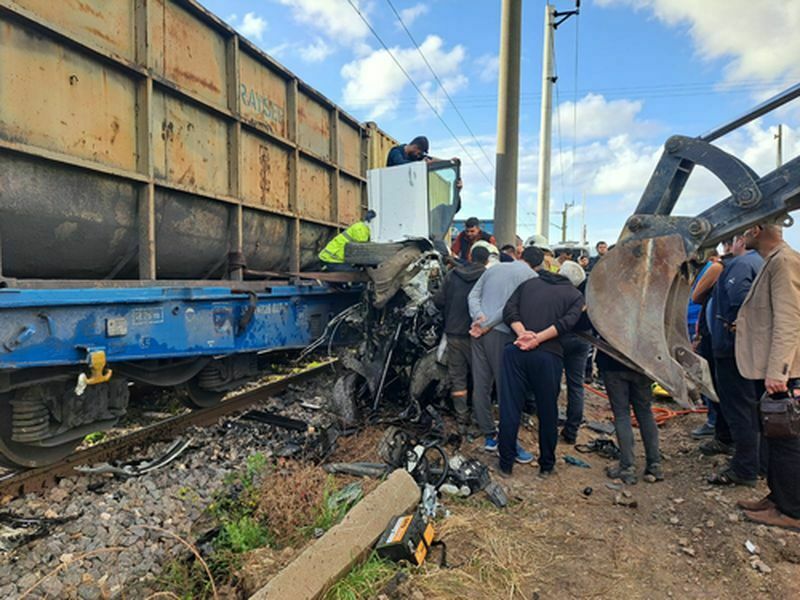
x,y
145,139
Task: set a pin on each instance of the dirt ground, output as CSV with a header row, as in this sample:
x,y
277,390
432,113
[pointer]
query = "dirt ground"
x,y
684,539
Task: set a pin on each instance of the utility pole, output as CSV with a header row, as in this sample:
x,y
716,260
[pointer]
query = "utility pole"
x,y
552,19
505,187
564,221
584,240
779,137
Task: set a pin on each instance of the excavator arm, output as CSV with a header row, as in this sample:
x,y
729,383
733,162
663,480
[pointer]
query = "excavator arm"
x,y
638,292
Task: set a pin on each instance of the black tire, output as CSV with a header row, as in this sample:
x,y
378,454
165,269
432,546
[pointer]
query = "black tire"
x,y
370,253
198,397
348,392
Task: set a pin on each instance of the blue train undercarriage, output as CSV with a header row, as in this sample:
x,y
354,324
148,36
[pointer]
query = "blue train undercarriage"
x,y
67,356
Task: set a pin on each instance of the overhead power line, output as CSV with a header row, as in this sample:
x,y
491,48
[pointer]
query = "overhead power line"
x,y
419,91
633,92
439,81
575,106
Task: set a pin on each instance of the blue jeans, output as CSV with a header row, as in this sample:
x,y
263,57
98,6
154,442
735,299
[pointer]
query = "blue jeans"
x,y
576,351
536,371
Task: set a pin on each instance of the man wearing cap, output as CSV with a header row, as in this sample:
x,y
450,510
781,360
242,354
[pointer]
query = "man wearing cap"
x,y
494,253
406,153
332,255
539,241
576,351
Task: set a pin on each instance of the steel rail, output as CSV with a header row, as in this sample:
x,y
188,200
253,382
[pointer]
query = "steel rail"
x,y
40,479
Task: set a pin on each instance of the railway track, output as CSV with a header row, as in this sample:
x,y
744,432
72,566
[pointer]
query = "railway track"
x,y
39,479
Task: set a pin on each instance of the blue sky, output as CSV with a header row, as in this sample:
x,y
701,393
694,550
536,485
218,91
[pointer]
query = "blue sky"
x,y
646,69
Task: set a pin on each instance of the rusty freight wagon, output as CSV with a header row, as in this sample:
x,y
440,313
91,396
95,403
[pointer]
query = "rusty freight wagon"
x,y
149,156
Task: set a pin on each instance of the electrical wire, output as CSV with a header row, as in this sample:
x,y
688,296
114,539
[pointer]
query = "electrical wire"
x,y
575,108
419,91
660,91
439,81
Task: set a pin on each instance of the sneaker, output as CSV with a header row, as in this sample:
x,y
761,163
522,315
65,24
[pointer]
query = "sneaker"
x,y
523,456
490,444
704,431
712,447
653,473
627,475
567,438
545,473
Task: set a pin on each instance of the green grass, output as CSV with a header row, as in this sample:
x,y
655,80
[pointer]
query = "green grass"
x,y
242,535
241,530
336,503
364,581
186,579
95,437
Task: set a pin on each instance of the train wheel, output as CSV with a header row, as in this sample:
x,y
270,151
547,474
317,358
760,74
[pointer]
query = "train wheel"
x,y
15,454
198,397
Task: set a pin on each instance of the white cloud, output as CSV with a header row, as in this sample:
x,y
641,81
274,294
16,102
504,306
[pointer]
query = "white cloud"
x,y
316,51
601,118
613,172
436,96
410,14
758,39
279,50
374,82
488,66
251,25
335,19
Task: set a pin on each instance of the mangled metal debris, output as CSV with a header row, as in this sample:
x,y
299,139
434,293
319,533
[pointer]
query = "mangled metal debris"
x,y
430,466
16,530
138,468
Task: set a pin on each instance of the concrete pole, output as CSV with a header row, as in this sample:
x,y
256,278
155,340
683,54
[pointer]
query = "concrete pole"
x,y
505,186
545,127
779,137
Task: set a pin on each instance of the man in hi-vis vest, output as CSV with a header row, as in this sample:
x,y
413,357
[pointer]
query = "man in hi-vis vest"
x,y
332,255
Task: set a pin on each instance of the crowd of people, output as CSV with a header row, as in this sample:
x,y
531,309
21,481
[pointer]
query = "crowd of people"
x,y
516,325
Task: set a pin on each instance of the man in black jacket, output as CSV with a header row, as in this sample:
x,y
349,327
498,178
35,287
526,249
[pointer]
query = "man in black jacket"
x,y
451,299
538,312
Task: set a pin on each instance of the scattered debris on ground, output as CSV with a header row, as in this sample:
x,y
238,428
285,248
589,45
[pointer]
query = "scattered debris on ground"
x,y
231,511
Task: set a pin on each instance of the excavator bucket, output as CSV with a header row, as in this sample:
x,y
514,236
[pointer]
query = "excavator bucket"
x,y
637,294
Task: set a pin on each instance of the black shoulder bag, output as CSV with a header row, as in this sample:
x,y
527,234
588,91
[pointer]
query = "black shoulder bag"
x,y
780,414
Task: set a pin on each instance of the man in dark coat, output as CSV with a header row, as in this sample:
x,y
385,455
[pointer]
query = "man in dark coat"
x,y
451,299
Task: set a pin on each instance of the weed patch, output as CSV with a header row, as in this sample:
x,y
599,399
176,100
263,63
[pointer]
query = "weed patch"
x,y
364,581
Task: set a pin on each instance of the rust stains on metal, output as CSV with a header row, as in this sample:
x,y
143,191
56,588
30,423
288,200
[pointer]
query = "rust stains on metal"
x,y
264,179
96,32
87,8
86,111
96,22
189,76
